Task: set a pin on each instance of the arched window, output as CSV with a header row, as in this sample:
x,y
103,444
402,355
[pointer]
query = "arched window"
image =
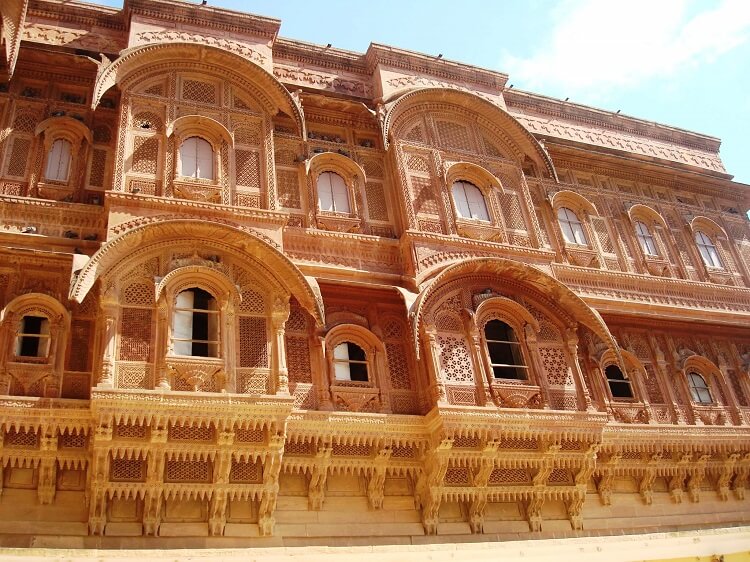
x,y
504,350
58,161
195,325
645,239
332,193
707,249
196,159
33,337
699,389
571,227
469,201
619,386
349,362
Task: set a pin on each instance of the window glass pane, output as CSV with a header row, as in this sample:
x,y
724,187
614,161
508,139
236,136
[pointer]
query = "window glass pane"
x,y
356,353
578,235
204,157
325,192
619,386
58,161
358,371
341,351
188,157
341,371
498,331
462,203
340,194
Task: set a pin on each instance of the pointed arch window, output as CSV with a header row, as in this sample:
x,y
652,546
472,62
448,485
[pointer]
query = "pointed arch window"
x,y
699,390
619,386
196,159
645,239
504,351
469,201
707,250
58,161
195,324
349,362
571,227
333,195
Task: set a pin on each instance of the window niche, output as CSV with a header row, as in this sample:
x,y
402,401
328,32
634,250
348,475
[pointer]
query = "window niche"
x,y
474,202
356,364
650,231
201,166
574,214
335,185
65,143
35,330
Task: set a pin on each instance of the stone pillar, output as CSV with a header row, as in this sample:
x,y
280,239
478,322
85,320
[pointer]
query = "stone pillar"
x,y
433,351
537,366
280,371
163,346
571,347
111,314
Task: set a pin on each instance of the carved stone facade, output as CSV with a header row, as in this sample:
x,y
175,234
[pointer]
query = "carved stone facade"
x,y
255,288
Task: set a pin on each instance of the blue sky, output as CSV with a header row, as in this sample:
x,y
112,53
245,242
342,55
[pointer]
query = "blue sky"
x,y
679,62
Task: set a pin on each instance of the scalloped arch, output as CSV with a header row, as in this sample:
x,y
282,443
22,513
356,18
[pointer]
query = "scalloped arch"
x,y
474,173
24,303
527,274
331,161
212,278
506,306
252,248
573,200
641,210
523,139
272,95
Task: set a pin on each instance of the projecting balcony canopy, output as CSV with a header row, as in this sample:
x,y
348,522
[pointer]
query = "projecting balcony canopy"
x,y
519,273
208,235
506,126
239,69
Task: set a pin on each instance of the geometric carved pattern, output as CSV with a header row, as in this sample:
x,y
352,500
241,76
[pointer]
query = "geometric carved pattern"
x,y
135,334
247,168
454,359
246,472
19,154
127,470
512,211
253,342
288,188
25,122
376,206
201,92
78,355
556,366
145,154
423,197
453,135
298,358
501,476
190,433
139,294
25,439
252,302
187,471
133,375
398,367
98,166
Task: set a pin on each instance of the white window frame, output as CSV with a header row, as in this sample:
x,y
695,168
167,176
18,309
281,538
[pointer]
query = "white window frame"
x,y
708,251
333,193
646,239
197,159
43,337
515,348
183,317
699,389
342,362
59,157
469,201
571,227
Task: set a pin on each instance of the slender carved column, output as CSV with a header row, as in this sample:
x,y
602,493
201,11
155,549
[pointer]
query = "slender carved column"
x,y
433,350
162,347
153,498
222,466
47,468
584,399
661,368
483,378
278,322
99,478
320,372
111,312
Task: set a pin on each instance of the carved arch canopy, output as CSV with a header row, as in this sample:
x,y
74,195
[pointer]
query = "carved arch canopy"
x,y
473,173
503,124
644,213
574,201
708,226
200,126
214,237
519,274
251,77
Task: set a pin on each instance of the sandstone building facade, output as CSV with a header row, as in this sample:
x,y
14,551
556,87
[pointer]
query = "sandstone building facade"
x,y
254,289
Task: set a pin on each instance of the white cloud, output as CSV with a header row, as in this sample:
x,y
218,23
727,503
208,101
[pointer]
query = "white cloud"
x,y
599,45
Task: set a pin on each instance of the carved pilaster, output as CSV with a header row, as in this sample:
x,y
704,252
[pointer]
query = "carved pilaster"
x,y
376,479
271,468
584,398
433,352
111,313
47,468
278,322
428,492
607,471
318,477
